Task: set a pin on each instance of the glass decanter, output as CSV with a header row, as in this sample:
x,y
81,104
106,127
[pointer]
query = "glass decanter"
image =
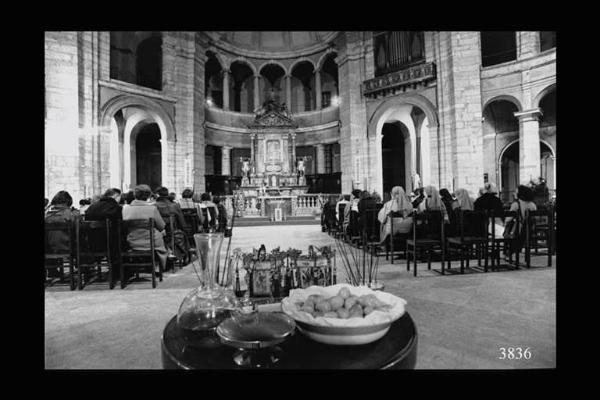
x,y
205,307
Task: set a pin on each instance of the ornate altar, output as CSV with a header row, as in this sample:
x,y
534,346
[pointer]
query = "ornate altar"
x,y
272,178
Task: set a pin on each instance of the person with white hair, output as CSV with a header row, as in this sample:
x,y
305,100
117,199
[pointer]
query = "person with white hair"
x,y
398,202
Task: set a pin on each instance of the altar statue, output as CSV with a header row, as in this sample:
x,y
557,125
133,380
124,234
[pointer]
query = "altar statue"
x,y
416,181
245,168
301,167
273,181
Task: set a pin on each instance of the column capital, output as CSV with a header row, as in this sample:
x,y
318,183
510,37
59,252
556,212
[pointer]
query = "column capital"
x,y
319,145
225,148
529,115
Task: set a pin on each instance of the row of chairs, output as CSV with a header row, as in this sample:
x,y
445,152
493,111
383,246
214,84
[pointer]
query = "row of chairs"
x,y
473,237
93,245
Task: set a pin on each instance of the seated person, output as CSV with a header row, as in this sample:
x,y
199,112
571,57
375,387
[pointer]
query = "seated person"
x,y
187,202
344,199
351,214
60,210
141,208
398,204
168,208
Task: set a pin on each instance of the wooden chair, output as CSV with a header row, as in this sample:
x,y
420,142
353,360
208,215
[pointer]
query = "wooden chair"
x,y
193,226
139,260
93,249
59,257
498,245
396,241
472,227
427,236
371,227
173,229
538,230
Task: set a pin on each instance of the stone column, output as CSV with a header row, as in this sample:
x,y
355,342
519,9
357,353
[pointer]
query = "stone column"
x,y
226,160
293,136
225,89
252,140
529,144
319,96
288,92
256,91
320,158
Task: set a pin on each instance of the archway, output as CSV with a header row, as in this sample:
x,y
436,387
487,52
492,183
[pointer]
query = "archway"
x,y
303,83
272,83
242,87
213,80
147,154
500,127
395,136
509,168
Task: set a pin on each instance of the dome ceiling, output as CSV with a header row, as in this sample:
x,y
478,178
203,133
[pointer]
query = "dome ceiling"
x,y
271,44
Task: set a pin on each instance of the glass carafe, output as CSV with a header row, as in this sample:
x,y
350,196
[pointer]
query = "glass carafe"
x,y
205,307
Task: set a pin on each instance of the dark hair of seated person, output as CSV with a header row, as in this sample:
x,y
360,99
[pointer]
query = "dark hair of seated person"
x,y
142,192
216,200
187,193
347,197
356,193
62,198
112,192
524,193
205,197
162,191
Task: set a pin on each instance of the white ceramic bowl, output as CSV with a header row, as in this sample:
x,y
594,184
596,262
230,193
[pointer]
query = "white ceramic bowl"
x,y
337,331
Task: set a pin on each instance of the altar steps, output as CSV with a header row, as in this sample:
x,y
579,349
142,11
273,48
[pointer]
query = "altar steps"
x,y
262,221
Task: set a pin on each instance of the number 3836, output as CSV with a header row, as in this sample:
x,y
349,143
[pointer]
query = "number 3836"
x,y
514,353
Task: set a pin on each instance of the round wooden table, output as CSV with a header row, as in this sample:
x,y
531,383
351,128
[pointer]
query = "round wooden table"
x,y
396,350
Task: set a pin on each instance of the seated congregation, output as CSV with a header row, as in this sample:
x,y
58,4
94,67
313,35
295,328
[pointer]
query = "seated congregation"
x,y
431,225
139,231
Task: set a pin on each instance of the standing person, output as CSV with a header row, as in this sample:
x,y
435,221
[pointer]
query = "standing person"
x,y
172,196
344,199
141,208
523,202
211,210
351,214
167,208
399,202
221,214
60,210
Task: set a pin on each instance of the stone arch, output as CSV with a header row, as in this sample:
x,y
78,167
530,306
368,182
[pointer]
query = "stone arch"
x,y
109,109
158,114
243,60
329,53
542,93
219,57
505,97
300,60
413,99
285,70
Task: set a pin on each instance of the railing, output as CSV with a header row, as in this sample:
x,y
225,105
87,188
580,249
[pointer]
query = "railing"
x,y
301,205
413,75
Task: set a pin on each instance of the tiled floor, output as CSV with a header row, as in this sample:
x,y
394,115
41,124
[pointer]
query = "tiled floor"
x,y
462,320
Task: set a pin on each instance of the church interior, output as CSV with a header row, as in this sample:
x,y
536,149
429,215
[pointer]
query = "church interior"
x,y
275,127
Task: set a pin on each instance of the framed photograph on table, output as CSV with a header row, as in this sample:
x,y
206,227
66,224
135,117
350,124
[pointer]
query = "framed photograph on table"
x,y
260,279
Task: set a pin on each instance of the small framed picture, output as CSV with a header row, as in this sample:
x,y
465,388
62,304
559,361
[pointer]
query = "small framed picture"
x,y
260,280
304,273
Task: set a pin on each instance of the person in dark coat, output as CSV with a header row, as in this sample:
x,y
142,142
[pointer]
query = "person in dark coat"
x,y
60,210
366,202
221,214
489,200
166,208
106,207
